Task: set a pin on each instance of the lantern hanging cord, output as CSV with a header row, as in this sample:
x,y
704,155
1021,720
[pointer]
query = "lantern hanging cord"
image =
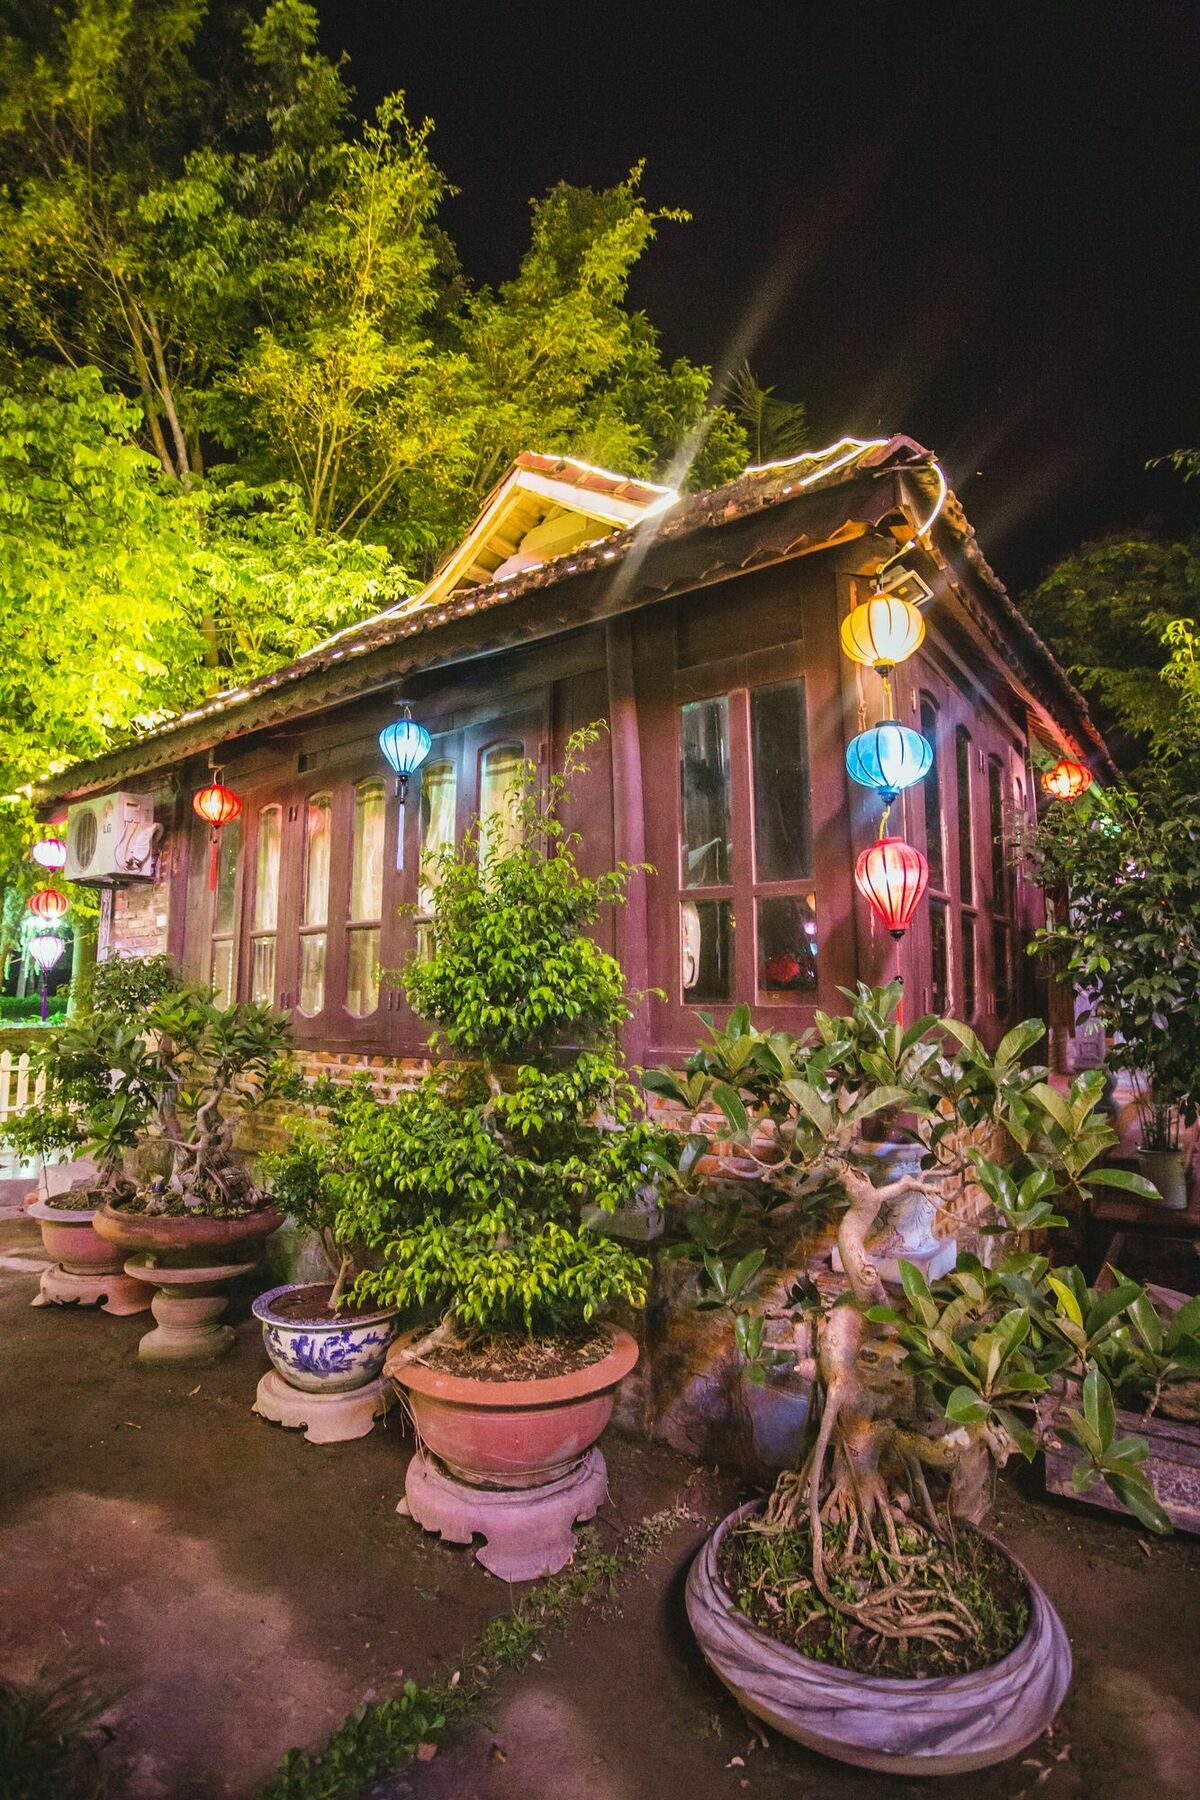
x,y
923,529
889,707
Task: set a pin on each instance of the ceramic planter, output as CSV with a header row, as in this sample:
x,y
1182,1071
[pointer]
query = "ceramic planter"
x,y
940,1725
513,1434
86,1270
320,1358
1168,1172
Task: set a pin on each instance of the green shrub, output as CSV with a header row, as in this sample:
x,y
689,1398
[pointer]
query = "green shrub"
x,y
464,1193
27,1009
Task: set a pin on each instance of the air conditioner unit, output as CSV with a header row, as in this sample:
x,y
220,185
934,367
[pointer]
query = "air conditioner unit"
x,y
110,839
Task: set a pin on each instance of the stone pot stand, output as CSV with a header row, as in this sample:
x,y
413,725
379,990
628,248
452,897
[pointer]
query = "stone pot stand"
x,y
513,1462
86,1271
327,1375
939,1725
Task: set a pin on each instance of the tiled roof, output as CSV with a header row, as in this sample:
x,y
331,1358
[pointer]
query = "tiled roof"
x,y
326,675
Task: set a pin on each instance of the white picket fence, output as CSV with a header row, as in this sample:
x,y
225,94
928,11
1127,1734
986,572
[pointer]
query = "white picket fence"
x,y
18,1092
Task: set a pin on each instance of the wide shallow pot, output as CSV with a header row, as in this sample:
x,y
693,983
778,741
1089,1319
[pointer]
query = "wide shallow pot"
x,y
1168,1171
194,1240
71,1239
513,1433
324,1358
935,1725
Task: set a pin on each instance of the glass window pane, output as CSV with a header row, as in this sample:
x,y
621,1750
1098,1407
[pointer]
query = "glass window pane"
x,y
439,798
782,808
939,960
787,946
966,847
996,830
229,842
706,945
499,782
312,972
266,883
223,972
262,974
366,876
969,966
931,791
318,834
704,792
1001,974
362,981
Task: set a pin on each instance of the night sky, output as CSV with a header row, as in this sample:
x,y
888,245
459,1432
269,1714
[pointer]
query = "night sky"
x,y
977,224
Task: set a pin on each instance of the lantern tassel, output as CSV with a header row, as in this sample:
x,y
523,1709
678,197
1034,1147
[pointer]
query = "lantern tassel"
x,y
212,860
45,999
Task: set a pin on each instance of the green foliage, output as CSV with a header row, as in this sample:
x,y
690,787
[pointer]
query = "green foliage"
x,y
1107,611
464,1192
776,428
377,1737
28,1009
45,1733
1127,937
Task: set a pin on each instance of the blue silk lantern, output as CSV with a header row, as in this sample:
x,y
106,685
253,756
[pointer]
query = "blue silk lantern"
x,y
405,744
888,758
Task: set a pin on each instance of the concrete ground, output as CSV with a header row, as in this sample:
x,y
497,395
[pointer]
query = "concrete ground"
x,y
239,1590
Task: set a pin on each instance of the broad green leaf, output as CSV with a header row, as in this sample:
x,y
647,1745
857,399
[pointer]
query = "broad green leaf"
x,y
1126,1179
964,1406
1068,1304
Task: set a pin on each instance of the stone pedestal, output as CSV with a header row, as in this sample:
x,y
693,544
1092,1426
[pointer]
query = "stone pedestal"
x,y
113,1291
528,1532
328,1418
187,1304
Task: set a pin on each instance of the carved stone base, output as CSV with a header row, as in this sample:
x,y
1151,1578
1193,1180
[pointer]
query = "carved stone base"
x,y
187,1304
113,1292
528,1531
327,1418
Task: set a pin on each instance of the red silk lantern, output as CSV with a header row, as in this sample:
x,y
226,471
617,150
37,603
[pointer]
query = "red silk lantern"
x,y
217,805
48,903
1067,780
892,876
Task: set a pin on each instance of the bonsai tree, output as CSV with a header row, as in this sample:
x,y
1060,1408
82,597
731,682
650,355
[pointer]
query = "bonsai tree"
x,y
100,1089
467,1190
923,1392
330,1147
1126,935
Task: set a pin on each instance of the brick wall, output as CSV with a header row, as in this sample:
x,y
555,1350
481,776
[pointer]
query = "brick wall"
x,y
141,911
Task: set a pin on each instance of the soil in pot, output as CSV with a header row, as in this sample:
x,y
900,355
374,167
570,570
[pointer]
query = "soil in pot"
x,y
519,1358
310,1306
768,1575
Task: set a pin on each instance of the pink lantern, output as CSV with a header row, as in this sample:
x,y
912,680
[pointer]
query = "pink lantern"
x,y
49,853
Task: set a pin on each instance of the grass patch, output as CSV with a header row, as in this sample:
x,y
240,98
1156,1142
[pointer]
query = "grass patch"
x,y
385,1734
47,1747
768,1574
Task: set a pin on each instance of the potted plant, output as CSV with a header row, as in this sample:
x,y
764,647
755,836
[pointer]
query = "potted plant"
x,y
864,1611
76,1072
1125,934
327,1354
470,1206
191,1215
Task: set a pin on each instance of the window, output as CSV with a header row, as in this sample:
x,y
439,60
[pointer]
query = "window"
x,y
499,798
223,967
969,960
782,811
996,832
1003,898
939,958
266,906
931,794
747,909
314,907
966,848
366,897
707,847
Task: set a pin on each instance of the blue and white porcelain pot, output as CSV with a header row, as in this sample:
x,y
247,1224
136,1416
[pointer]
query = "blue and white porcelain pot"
x,y
322,1355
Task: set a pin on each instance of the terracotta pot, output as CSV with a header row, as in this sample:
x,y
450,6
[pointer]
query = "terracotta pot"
x,y
324,1357
513,1434
936,1725
70,1239
185,1240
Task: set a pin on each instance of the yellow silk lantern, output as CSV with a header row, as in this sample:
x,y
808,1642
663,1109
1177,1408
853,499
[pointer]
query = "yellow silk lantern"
x,y
882,633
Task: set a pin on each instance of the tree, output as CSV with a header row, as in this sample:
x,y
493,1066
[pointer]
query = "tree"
x,y
1106,611
777,429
